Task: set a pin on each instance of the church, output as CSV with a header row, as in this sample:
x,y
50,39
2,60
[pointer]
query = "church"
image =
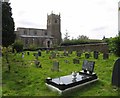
x,y
43,38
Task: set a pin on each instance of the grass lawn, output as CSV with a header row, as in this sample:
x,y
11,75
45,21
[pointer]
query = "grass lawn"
x,y
27,80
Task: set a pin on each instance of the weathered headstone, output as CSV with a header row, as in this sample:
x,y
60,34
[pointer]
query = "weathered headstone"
x,y
55,66
87,55
36,56
96,54
105,56
76,61
37,63
116,73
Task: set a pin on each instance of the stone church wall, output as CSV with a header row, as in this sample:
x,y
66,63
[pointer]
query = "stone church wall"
x,y
100,47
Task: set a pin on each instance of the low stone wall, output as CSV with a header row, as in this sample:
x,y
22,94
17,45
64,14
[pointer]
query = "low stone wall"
x,y
101,47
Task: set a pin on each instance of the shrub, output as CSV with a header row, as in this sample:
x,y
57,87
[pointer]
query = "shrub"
x,y
18,46
114,45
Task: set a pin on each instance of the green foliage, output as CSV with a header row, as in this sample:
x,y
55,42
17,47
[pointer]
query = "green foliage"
x,y
18,46
80,41
114,45
8,36
33,47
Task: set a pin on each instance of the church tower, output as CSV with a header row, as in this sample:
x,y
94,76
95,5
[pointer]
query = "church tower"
x,y
54,27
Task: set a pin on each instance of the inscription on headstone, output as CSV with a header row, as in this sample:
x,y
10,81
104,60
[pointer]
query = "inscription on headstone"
x,y
116,73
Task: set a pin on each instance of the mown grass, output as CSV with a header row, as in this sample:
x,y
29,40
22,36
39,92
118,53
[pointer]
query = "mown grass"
x,y
25,79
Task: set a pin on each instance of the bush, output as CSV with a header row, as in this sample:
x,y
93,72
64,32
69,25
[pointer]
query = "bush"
x,y
18,46
114,45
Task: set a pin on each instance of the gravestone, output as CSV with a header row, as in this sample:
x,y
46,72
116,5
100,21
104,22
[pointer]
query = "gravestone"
x,y
105,56
96,55
87,55
76,61
47,51
36,56
37,63
116,73
39,53
22,55
66,61
88,66
78,54
53,55
70,52
28,53
55,66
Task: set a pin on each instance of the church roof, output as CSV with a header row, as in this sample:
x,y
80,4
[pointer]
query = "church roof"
x,y
29,36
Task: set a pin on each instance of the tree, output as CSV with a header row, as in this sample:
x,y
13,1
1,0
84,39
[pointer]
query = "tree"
x,y
66,36
83,37
8,35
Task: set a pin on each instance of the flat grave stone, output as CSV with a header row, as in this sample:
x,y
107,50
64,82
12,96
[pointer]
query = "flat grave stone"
x,y
68,83
116,73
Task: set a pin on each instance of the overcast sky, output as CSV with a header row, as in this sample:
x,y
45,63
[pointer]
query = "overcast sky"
x,y
93,18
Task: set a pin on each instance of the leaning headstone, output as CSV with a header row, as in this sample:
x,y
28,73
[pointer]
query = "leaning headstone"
x,y
116,73
105,56
87,55
76,61
55,66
